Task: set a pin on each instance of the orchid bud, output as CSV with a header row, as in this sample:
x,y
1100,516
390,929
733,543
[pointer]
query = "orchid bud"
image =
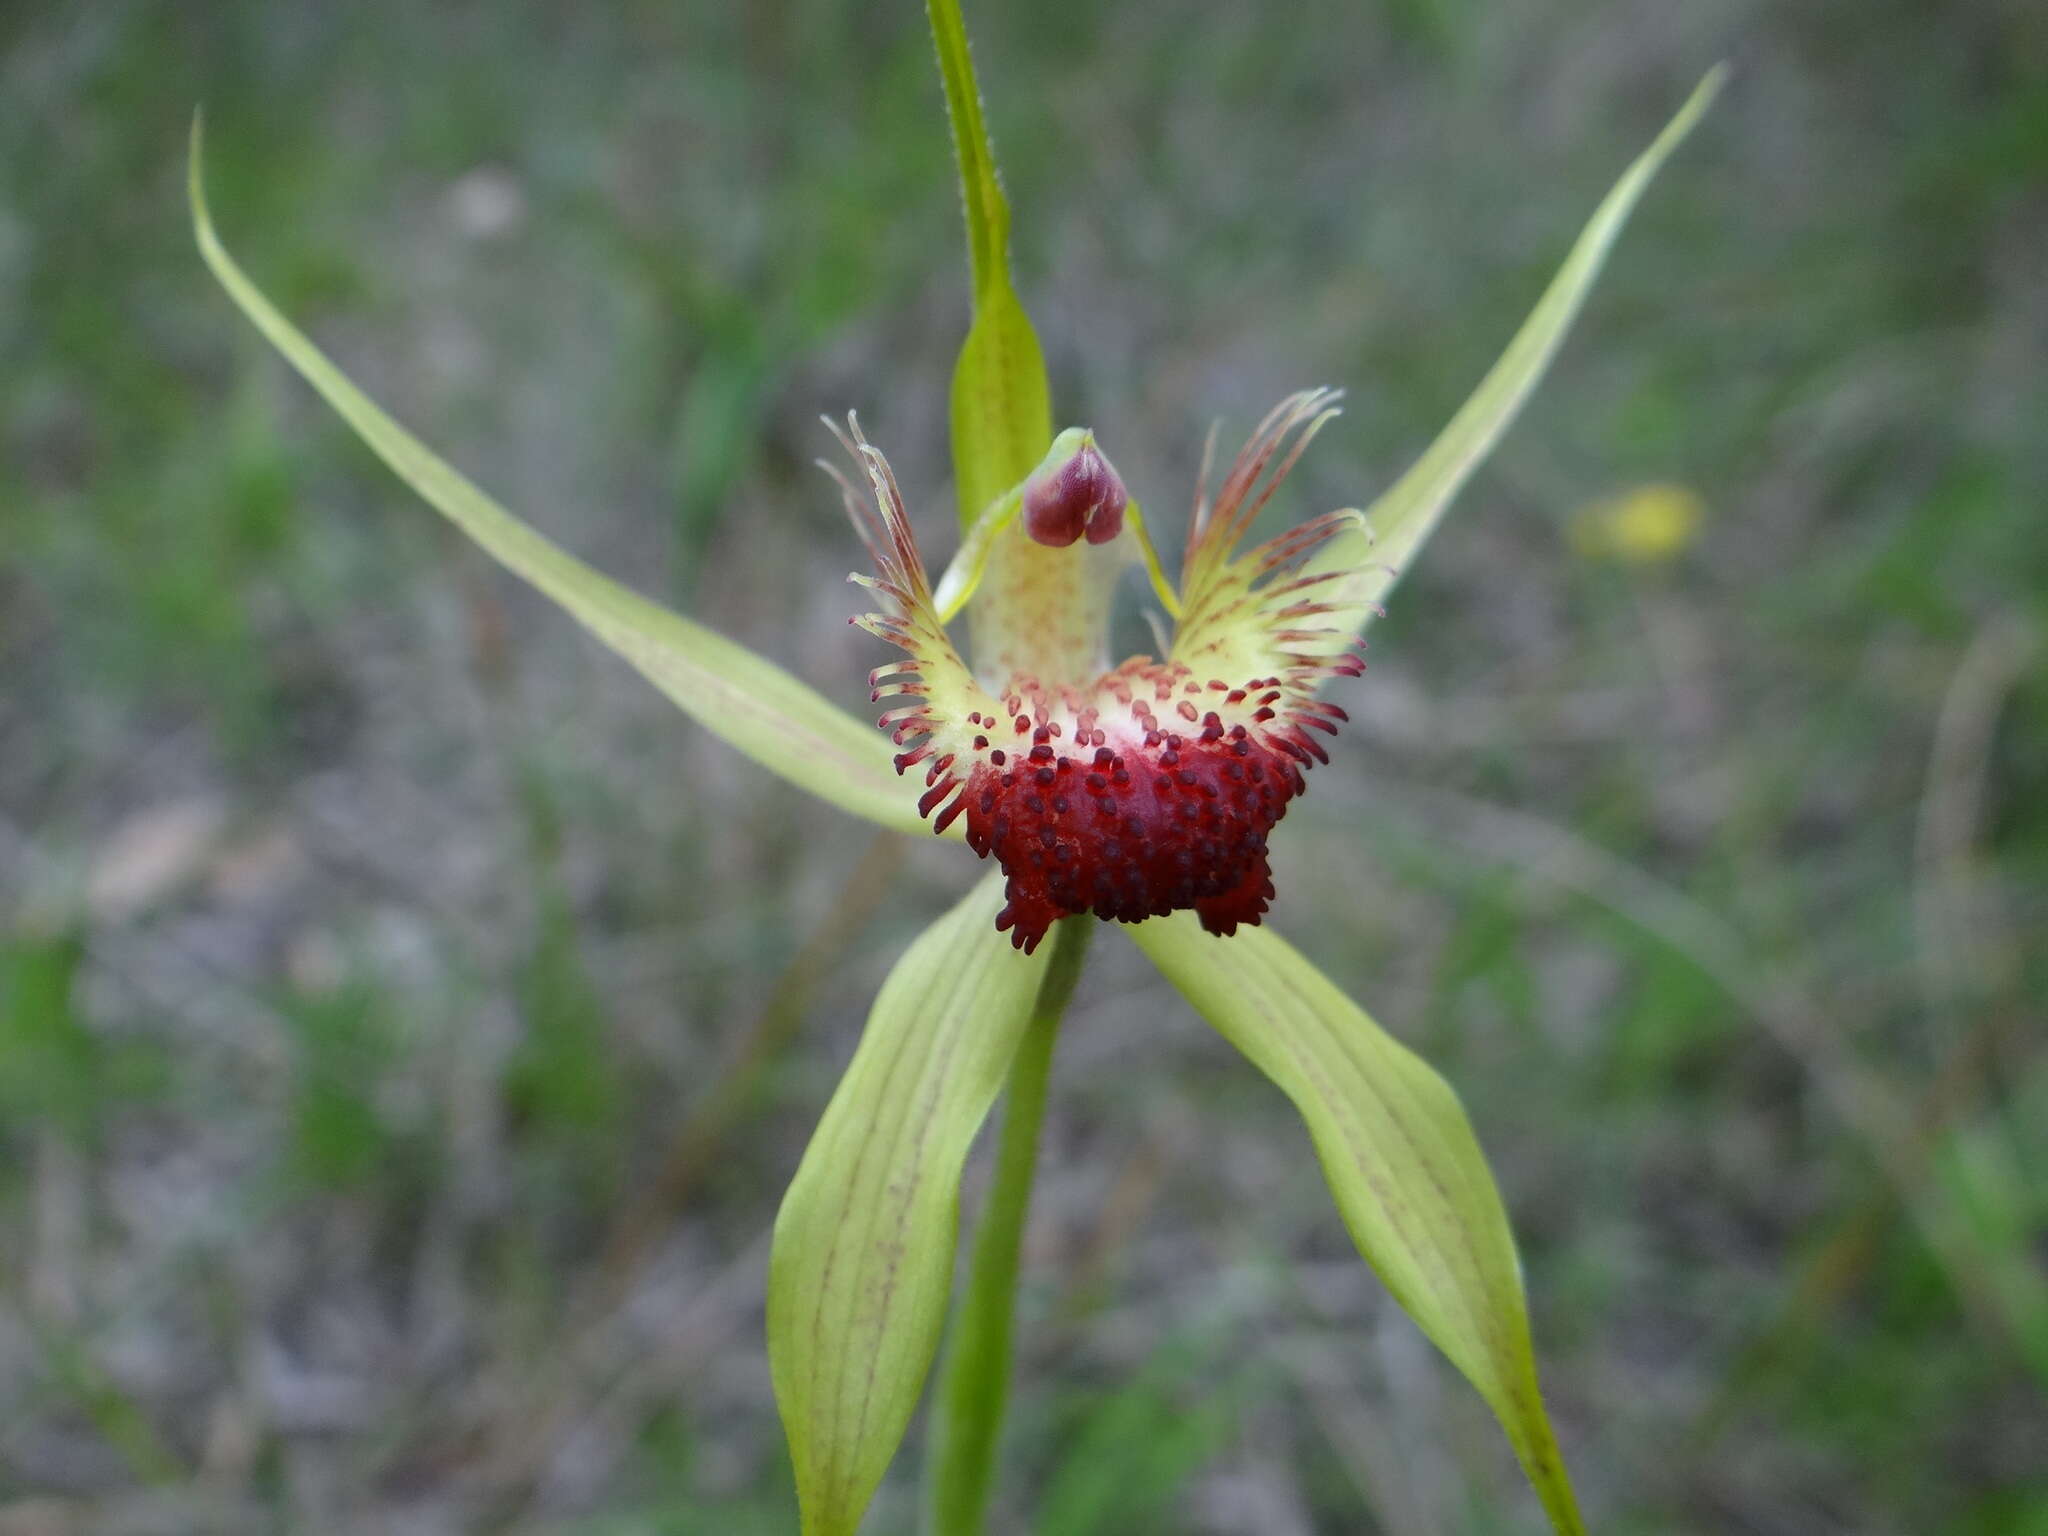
x,y
1074,492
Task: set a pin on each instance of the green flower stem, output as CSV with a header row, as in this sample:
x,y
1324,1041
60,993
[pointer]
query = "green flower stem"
x,y
968,1411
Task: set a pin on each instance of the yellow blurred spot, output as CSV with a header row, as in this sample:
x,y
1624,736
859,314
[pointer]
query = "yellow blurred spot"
x,y
1645,526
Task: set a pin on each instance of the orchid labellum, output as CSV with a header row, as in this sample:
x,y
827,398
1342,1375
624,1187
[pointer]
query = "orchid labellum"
x,y
1142,791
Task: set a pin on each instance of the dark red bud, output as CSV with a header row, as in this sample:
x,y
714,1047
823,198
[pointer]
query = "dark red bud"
x,y
1082,496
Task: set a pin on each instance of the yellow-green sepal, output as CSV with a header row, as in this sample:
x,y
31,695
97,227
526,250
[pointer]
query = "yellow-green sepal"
x,y
746,699
863,1259
1002,406
1377,552
1409,1179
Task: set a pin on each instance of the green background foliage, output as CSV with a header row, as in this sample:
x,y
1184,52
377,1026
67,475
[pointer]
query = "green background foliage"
x,y
408,1022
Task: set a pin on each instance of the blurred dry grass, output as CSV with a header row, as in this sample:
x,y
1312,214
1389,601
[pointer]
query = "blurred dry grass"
x,y
391,1113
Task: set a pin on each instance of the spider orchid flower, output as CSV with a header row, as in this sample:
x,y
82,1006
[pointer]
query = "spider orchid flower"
x,y
1143,792
1132,791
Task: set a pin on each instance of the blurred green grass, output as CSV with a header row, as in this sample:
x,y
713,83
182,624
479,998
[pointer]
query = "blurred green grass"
x,y
369,944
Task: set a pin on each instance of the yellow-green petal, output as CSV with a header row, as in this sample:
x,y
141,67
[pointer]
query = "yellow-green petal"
x,y
747,700
863,1258
1377,554
1410,1181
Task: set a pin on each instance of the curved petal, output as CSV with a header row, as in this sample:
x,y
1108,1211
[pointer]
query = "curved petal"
x,y
1400,1157
749,701
863,1259
1374,555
